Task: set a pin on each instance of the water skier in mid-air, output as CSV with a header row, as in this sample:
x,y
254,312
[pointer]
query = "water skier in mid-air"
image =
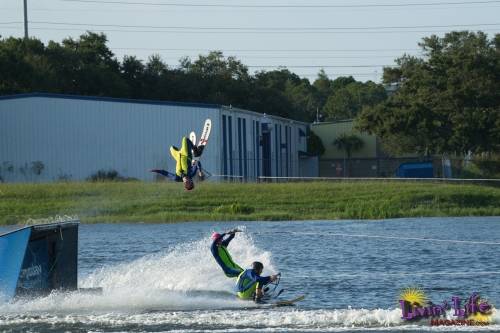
x,y
185,166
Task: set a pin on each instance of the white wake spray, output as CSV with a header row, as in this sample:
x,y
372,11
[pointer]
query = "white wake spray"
x,y
184,277
185,267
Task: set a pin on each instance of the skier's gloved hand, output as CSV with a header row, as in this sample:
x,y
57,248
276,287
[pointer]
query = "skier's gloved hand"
x,y
235,230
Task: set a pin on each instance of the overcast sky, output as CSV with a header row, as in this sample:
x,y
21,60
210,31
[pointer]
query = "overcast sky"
x,y
344,37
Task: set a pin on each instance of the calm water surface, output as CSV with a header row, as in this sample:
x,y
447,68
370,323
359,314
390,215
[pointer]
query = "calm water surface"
x,y
162,278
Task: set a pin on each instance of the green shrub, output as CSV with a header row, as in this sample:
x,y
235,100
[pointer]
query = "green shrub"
x,y
105,175
488,168
315,145
234,208
482,168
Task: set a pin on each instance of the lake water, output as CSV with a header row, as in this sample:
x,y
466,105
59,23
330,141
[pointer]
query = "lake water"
x,y
162,278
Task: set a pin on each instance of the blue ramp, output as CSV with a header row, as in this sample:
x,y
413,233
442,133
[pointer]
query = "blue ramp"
x,y
12,251
38,259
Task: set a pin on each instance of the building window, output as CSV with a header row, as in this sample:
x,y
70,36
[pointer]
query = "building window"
x,y
257,148
287,150
240,147
276,150
245,164
230,133
224,144
281,149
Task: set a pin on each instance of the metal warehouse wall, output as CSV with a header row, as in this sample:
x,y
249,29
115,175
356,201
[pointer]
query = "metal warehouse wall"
x,y
74,138
257,145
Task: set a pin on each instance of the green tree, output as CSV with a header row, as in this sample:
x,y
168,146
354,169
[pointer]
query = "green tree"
x,y
133,72
218,79
215,64
342,82
348,143
93,69
154,72
347,101
270,92
303,98
314,144
448,102
155,67
324,87
23,66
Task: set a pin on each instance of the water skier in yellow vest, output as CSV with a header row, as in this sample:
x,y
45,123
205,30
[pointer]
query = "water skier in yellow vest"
x,y
250,283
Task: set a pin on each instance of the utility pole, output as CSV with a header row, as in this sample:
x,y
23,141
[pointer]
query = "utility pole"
x,y
26,19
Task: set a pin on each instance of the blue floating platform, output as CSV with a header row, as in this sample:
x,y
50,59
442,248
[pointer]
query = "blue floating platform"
x,y
37,259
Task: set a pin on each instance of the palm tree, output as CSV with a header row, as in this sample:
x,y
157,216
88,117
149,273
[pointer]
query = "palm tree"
x,y
349,143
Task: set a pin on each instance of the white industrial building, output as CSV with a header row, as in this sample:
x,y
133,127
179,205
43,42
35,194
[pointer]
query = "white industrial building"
x,y
50,137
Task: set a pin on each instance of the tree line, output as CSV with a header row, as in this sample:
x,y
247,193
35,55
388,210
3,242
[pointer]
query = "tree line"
x,y
446,101
87,66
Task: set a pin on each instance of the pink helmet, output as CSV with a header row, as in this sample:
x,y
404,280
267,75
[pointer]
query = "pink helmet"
x,y
216,236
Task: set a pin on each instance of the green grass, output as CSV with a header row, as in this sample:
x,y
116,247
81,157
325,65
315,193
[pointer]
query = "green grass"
x,y
168,202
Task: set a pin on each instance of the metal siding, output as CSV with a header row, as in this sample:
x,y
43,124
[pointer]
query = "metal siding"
x,y
245,149
257,147
76,138
240,149
281,150
224,144
234,149
287,142
292,150
287,139
289,147
254,150
276,150
230,133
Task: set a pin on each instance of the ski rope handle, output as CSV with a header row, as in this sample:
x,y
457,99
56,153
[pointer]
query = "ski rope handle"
x,y
275,284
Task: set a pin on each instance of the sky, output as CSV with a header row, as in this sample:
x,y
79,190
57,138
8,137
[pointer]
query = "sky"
x,y
343,37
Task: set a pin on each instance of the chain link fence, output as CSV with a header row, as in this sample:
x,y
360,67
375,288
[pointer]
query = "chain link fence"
x,y
435,167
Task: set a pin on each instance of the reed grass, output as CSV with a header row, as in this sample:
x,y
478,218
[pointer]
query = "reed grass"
x,y
168,202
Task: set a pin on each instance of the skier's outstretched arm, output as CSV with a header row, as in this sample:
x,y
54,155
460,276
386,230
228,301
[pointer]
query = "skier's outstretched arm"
x,y
165,173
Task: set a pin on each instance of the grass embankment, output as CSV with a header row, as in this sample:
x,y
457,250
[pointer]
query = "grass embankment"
x,y
168,202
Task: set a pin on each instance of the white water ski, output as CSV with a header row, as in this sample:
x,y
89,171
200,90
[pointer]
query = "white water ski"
x,y
289,302
205,134
284,302
192,137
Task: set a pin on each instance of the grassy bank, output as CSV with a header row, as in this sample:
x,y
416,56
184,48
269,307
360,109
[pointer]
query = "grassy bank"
x,y
168,202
